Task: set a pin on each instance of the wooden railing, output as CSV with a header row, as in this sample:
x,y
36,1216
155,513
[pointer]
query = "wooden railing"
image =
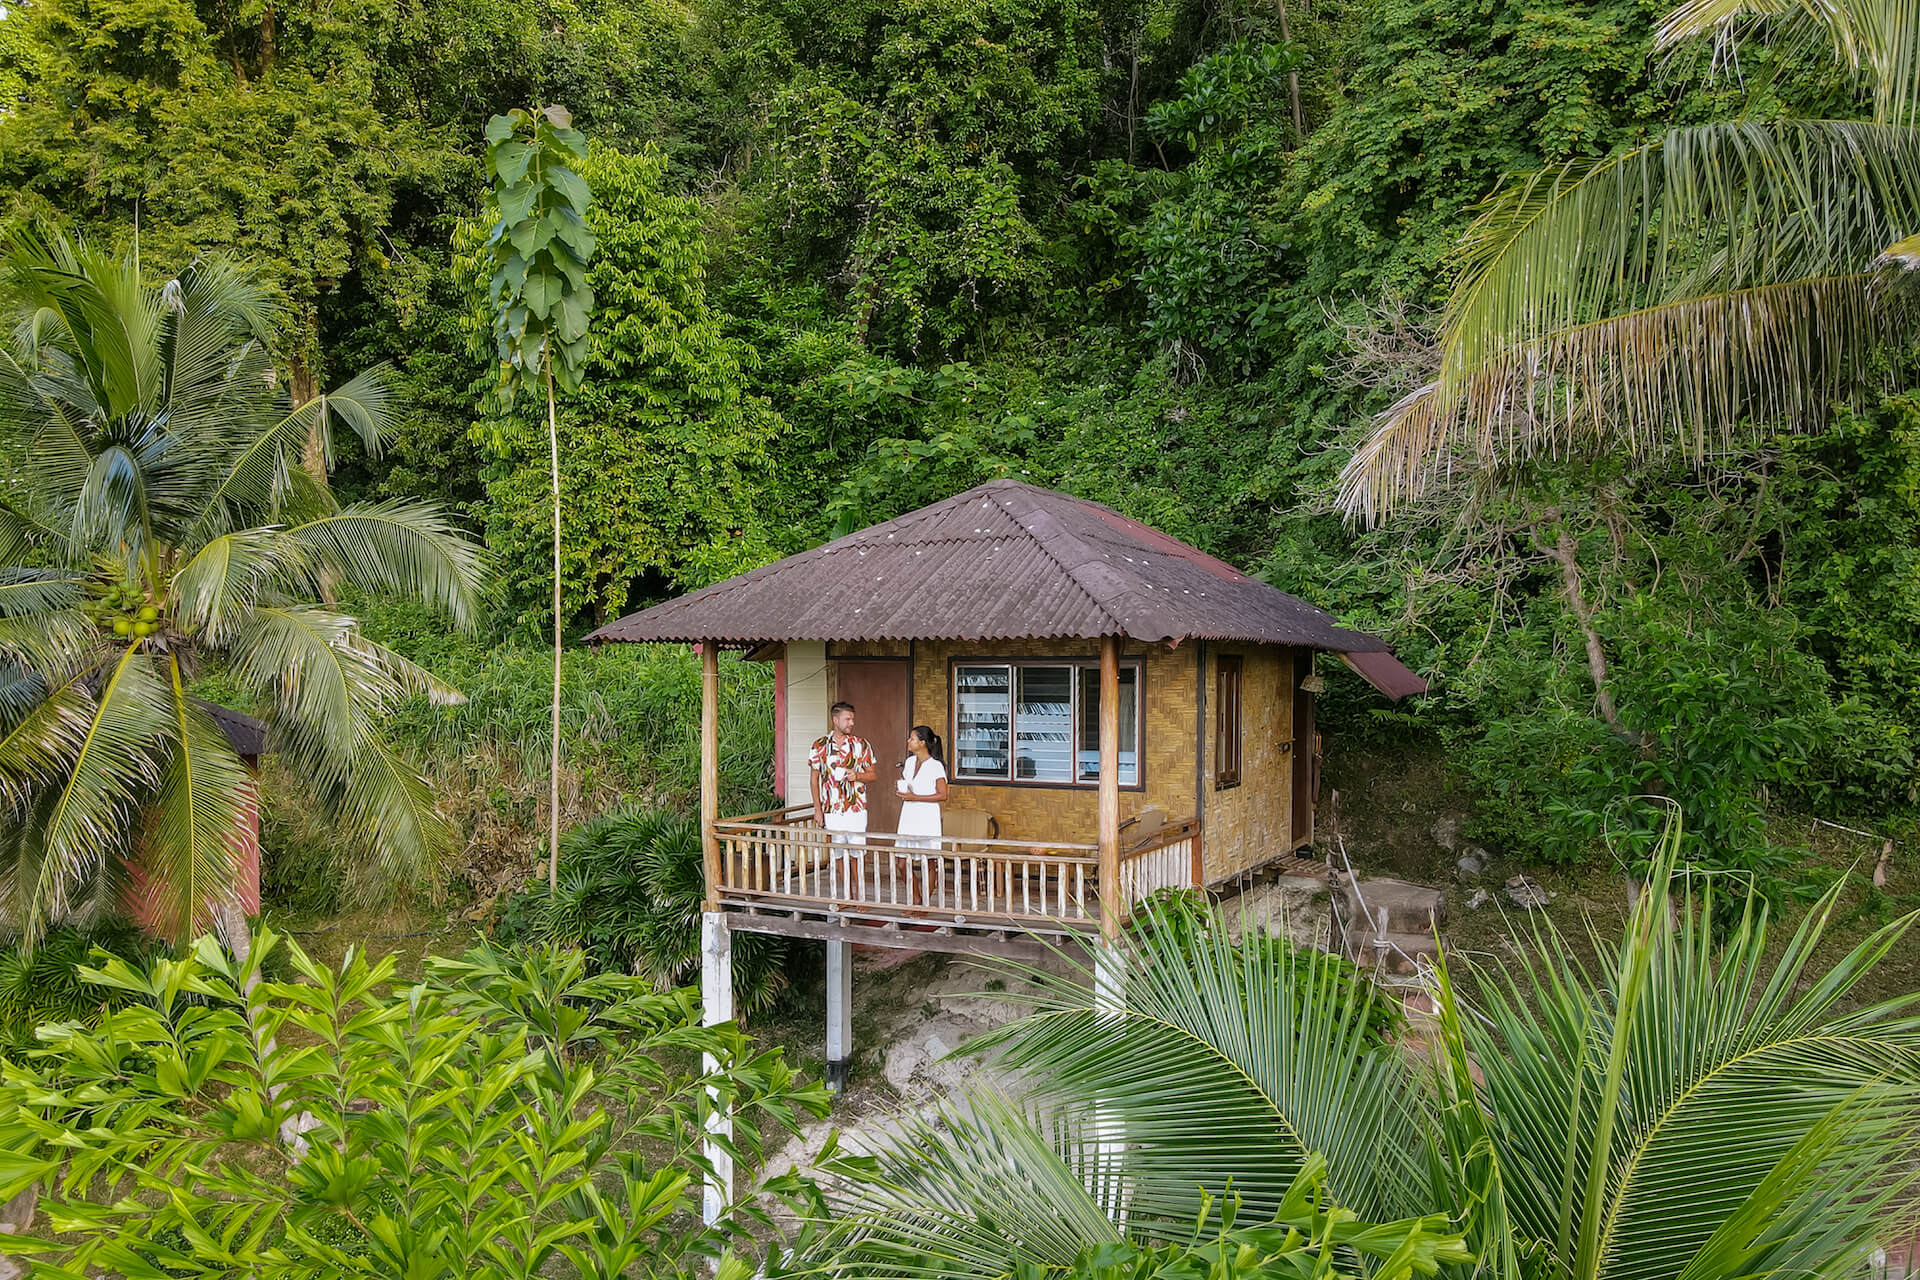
x,y
784,857
1167,859
783,860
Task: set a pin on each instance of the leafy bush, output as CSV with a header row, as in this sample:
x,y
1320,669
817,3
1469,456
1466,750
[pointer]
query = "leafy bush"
x,y
510,1115
48,984
1718,720
631,886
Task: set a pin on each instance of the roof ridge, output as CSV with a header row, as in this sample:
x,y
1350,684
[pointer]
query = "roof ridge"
x,y
1100,593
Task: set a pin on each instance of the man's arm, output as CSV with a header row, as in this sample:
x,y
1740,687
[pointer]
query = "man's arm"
x,y
813,780
872,771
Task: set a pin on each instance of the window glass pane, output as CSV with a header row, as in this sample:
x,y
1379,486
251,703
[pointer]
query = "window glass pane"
x,y
1090,725
983,699
1043,725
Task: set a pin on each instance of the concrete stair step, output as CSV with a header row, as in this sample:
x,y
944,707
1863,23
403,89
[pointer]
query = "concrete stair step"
x,y
1410,908
1395,952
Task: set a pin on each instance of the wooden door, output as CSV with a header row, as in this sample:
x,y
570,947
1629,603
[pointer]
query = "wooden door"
x,y
1306,764
881,691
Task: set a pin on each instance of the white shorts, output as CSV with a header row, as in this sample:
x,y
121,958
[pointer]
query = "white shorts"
x,y
848,830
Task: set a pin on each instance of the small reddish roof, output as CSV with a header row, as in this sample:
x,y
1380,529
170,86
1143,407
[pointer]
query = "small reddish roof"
x,y
1002,561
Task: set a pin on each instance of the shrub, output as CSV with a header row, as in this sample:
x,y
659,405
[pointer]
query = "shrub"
x,y
47,984
510,1115
631,886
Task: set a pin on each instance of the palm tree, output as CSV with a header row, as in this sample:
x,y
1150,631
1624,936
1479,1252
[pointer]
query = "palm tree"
x,y
154,519
1686,1106
1719,277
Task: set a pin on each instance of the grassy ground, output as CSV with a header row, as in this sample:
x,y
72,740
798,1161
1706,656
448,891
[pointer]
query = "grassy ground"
x,y
1393,808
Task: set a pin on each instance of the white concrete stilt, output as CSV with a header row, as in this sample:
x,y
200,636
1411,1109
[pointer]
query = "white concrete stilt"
x,y
1109,1129
716,997
839,1014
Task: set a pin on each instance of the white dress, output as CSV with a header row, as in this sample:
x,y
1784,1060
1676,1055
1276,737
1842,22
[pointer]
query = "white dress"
x,y
918,820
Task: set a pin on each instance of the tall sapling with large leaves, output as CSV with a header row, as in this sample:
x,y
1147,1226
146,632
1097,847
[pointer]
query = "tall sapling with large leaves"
x,y
541,304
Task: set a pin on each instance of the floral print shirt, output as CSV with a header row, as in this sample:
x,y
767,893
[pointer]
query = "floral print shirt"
x,y
836,763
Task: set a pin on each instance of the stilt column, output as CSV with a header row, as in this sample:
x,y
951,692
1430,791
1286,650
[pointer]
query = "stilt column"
x,y
716,998
839,1014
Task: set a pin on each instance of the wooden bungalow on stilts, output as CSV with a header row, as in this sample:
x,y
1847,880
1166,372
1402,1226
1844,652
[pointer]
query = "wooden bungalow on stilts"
x,y
1125,714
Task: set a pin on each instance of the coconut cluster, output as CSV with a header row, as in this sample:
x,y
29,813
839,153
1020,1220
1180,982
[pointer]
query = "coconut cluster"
x,y
125,611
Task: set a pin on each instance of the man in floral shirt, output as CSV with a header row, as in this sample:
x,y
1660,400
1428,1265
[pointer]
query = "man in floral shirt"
x,y
842,766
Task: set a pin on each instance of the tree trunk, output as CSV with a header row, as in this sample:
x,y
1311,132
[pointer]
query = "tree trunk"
x,y
268,39
300,389
1133,102
1565,552
553,791
1293,77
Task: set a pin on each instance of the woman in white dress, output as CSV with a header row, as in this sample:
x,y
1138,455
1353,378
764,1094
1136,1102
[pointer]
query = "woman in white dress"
x,y
923,784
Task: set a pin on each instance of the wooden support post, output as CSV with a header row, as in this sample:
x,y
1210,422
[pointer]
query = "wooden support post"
x,y
710,770
839,1015
716,1007
1111,908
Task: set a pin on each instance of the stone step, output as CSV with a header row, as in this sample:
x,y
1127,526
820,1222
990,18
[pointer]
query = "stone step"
x,y
1395,952
1410,908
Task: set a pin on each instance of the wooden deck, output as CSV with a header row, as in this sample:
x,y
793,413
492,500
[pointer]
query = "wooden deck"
x,y
781,873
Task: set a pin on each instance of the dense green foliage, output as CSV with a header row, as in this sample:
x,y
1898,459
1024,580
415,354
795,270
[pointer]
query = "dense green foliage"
x,y
624,713
630,895
854,257
508,1115
47,984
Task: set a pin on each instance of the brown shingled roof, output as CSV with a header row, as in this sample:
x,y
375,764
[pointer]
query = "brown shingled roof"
x,y
1002,561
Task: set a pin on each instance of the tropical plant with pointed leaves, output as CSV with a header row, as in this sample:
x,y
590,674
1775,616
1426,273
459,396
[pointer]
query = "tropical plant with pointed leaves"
x,y
508,1115
154,520
542,302
1689,1104
1718,278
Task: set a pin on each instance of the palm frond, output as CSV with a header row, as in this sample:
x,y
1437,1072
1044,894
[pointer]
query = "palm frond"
x,y
92,813
111,320
187,861
365,404
1686,375
978,1190
330,692
1226,1063
1876,39
398,547
30,591
410,676
388,810
47,727
219,584
1668,297
1634,1120
303,658
51,643
43,433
